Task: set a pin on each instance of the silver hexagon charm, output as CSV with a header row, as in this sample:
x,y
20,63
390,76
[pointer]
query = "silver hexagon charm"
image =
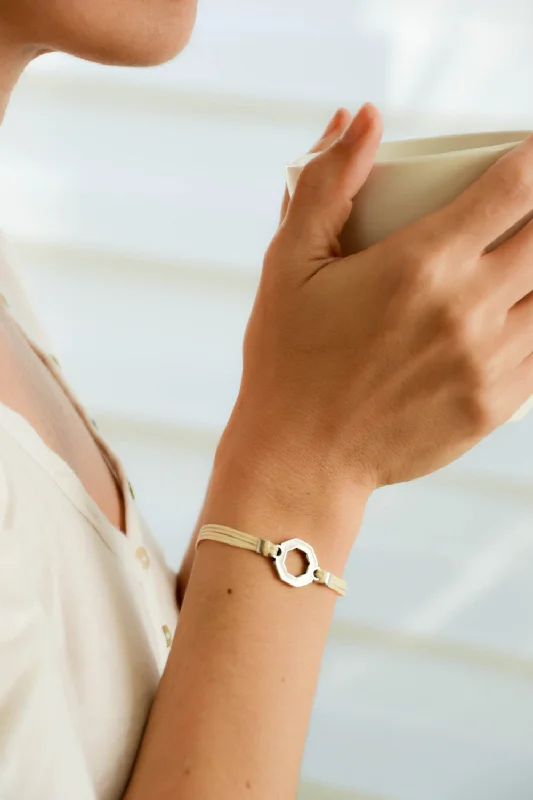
x,y
312,563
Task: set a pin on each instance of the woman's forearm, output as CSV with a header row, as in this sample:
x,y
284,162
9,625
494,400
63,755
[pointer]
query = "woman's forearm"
x,y
231,714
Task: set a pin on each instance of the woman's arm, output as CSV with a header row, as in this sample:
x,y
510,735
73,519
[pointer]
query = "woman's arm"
x,y
232,711
358,372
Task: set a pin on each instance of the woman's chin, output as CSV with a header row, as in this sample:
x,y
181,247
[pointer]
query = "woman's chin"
x,y
138,51
137,40
151,56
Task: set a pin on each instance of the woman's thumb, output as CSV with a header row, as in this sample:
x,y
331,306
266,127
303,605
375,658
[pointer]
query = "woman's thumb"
x,y
325,189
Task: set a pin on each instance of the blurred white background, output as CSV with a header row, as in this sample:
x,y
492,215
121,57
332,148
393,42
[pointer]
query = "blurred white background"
x,y
141,203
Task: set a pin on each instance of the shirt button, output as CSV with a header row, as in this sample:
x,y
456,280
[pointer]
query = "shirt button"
x,y
167,634
142,555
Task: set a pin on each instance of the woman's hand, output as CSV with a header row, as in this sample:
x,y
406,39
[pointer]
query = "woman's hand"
x,y
357,372
384,366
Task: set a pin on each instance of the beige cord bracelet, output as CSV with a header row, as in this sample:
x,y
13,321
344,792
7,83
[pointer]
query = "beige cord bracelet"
x,y
278,552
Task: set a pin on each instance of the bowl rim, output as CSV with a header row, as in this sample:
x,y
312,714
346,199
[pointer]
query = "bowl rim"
x,y
512,138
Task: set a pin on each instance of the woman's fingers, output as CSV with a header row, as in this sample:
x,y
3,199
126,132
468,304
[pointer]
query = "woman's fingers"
x,y
494,203
509,268
518,333
521,383
322,199
337,124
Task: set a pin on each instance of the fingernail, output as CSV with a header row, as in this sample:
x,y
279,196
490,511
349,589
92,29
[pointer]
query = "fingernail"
x,y
334,121
359,125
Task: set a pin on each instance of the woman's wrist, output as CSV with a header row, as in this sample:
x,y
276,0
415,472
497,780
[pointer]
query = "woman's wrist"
x,y
269,492
240,680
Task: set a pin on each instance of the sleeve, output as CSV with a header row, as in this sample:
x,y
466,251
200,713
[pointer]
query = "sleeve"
x,y
40,755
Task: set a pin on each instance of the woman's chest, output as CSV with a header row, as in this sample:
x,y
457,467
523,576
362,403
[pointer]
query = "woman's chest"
x,y
28,387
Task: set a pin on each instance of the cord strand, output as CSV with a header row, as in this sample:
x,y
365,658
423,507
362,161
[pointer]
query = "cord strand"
x,y
264,547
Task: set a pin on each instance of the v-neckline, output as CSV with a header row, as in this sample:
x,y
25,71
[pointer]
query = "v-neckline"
x,y
21,313
28,438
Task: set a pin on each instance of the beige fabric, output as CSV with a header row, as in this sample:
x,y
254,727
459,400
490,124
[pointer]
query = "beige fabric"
x,y
87,615
246,541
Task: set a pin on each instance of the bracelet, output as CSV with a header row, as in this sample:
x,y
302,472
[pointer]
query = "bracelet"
x,y
278,552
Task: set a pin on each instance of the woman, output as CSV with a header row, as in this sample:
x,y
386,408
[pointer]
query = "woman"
x,y
358,372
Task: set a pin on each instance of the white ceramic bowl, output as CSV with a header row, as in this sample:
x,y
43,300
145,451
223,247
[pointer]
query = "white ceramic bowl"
x,y
413,178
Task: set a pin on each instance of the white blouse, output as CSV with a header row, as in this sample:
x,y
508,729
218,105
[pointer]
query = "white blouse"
x,y
87,614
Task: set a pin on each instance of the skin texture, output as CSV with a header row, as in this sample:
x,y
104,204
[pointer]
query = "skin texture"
x,y
127,32
358,372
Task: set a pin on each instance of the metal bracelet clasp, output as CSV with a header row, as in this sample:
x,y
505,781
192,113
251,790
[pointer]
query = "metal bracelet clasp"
x,y
312,563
